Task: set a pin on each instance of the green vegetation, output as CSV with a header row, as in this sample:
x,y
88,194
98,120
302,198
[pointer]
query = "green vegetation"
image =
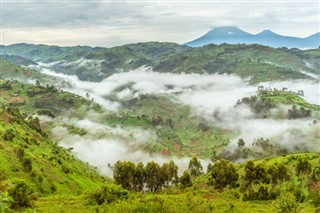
x,y
44,168
260,63
177,132
255,187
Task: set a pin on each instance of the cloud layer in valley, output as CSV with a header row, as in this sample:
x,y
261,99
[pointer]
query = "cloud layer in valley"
x,y
211,96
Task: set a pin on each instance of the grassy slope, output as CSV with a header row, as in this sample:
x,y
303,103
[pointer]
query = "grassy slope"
x,y
198,198
59,102
288,98
184,139
47,158
260,62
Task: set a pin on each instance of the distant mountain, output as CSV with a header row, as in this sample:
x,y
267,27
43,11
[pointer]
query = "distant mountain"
x,y
261,63
234,35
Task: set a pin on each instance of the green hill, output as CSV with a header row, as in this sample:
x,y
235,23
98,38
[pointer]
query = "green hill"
x,y
27,153
261,63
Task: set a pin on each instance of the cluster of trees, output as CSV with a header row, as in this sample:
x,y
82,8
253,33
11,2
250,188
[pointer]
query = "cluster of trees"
x,y
260,106
135,177
295,113
6,85
152,176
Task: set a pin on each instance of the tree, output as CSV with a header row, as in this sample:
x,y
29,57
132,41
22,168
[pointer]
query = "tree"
x,y
241,143
107,194
123,174
169,172
139,177
249,175
223,173
153,178
185,179
195,167
303,166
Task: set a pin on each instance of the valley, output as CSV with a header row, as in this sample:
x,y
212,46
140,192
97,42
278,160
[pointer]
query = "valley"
x,y
70,114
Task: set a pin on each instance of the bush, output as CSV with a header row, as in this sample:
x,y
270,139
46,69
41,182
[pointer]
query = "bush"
x,y
21,192
314,196
27,164
286,203
5,202
107,194
9,135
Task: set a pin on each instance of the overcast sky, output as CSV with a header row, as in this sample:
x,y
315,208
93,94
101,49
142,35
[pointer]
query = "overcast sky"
x,y
106,23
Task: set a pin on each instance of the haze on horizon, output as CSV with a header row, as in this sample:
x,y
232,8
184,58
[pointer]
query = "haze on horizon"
x,y
101,23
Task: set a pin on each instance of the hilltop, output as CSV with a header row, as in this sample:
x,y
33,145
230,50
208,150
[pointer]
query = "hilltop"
x,y
234,35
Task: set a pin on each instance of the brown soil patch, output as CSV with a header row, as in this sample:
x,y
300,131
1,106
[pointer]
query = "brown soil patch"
x,y
16,100
176,146
5,117
165,152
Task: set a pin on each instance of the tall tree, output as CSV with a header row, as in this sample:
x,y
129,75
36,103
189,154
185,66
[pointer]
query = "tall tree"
x,y
195,167
123,174
153,178
224,173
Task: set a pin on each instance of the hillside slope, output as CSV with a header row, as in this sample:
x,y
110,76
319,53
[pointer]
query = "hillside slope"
x,y
94,64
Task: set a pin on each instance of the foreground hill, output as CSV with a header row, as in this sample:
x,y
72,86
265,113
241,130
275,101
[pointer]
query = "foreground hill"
x,y
288,183
27,153
234,35
94,64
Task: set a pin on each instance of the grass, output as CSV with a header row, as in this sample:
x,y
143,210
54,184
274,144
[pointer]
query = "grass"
x,y
48,160
198,198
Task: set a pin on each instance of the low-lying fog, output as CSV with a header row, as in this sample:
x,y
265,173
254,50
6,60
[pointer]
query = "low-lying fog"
x,y
205,94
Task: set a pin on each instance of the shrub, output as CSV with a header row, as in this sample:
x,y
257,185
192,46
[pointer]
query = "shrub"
x,y
5,202
9,135
286,203
21,192
107,194
27,164
185,179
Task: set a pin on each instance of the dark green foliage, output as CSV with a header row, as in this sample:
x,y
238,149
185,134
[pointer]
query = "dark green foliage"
x,y
263,193
20,153
241,143
139,177
295,113
6,86
223,173
153,178
21,192
27,164
314,197
185,179
255,174
278,173
9,135
195,167
123,174
286,203
169,172
315,175
258,105
303,166
107,194
46,112
65,169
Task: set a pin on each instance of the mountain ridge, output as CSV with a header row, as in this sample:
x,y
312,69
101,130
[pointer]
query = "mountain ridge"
x,y
234,35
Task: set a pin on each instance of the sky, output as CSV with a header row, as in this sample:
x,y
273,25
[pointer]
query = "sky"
x,y
113,23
